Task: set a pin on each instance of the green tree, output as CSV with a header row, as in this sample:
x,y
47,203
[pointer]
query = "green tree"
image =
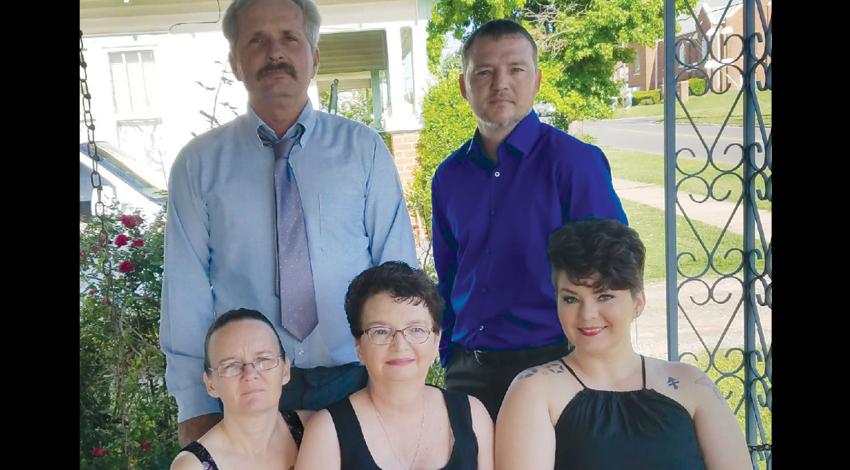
x,y
352,104
449,122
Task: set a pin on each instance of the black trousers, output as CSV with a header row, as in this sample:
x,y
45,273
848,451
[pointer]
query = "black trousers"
x,y
486,375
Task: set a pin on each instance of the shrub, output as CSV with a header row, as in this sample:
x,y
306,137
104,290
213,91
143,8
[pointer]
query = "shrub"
x,y
127,418
697,86
449,123
646,97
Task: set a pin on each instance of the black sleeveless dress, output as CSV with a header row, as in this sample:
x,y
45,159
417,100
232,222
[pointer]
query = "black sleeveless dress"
x,y
355,455
638,429
293,422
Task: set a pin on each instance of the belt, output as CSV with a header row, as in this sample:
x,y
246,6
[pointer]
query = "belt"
x,y
517,356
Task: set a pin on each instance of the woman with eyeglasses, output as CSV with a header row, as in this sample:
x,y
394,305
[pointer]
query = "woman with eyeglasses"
x,y
603,405
246,368
397,421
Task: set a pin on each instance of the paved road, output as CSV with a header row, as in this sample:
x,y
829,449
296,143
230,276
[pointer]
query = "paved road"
x,y
646,135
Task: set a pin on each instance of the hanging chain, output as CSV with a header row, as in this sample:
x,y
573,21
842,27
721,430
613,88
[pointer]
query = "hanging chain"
x,y
96,181
104,244
761,448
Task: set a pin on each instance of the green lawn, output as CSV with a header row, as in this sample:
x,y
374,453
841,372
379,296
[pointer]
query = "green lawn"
x,y
649,168
731,385
649,223
706,109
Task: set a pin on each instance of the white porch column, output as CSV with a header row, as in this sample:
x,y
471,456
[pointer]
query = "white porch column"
x,y
402,116
422,78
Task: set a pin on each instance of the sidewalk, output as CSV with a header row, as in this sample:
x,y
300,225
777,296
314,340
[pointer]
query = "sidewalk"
x,y
699,310
701,325
710,211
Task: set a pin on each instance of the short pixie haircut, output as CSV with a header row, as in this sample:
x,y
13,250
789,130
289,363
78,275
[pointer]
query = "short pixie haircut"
x,y
602,247
401,282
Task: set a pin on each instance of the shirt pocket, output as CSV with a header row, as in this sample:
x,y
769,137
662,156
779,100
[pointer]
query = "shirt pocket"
x,y
341,224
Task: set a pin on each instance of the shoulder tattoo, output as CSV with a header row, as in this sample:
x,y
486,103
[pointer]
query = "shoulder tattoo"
x,y
706,382
551,368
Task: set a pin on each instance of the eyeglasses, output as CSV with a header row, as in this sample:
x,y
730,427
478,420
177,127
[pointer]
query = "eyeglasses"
x,y
381,335
261,364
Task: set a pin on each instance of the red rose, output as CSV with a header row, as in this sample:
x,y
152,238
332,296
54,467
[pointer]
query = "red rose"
x,y
98,452
145,445
138,243
92,292
82,254
121,240
126,266
131,221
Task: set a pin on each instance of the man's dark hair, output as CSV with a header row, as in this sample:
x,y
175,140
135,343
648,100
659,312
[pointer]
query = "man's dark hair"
x,y
497,29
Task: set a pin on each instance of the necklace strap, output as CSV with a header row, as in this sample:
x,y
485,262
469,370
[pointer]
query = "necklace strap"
x,y
387,435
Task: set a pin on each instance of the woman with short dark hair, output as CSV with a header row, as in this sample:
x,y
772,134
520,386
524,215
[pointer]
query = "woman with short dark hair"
x,y
397,422
604,405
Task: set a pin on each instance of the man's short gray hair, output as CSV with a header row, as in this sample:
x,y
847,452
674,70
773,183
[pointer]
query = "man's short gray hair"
x,y
312,20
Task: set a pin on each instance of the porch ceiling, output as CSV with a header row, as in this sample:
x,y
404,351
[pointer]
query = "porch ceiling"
x,y
352,52
341,53
111,17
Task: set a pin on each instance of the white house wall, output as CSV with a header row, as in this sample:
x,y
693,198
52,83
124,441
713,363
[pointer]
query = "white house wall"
x,y
183,59
180,60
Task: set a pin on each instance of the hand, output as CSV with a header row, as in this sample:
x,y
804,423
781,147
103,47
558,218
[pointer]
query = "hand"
x,y
193,428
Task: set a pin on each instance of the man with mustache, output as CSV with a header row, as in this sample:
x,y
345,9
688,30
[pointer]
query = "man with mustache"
x,y
495,201
276,211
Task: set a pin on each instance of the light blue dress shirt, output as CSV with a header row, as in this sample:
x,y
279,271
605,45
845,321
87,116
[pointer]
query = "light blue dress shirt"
x,y
220,241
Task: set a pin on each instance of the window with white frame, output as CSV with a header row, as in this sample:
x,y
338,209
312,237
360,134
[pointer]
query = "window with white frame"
x,y
138,124
132,82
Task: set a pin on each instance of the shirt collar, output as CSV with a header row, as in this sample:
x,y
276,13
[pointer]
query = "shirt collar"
x,y
303,126
525,134
521,139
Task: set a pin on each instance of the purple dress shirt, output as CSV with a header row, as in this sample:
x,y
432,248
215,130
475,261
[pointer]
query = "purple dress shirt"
x,y
491,226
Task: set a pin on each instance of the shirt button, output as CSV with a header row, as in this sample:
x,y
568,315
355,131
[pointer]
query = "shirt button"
x,y
483,290
497,174
492,212
488,251
300,352
481,328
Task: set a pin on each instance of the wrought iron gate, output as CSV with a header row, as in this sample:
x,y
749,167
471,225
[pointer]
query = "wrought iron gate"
x,y
719,294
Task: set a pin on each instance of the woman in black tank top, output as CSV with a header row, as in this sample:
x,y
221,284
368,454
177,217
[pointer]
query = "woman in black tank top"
x,y
604,406
397,422
246,369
